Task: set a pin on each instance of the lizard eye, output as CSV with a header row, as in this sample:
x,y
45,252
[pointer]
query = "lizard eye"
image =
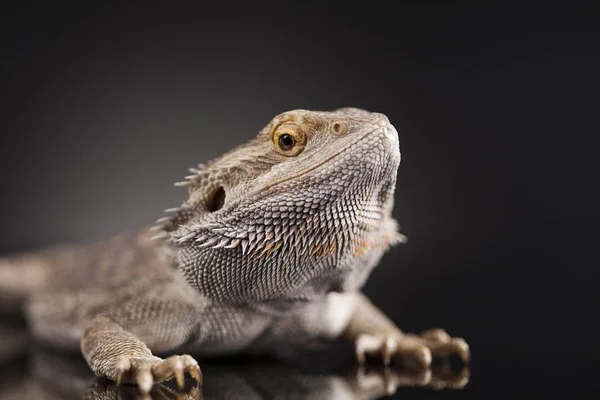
x,y
286,142
289,140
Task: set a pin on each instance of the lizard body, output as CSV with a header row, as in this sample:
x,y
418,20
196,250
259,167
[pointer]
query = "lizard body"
x,y
270,249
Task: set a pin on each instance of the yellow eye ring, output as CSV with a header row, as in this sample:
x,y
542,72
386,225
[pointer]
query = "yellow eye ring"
x,y
288,139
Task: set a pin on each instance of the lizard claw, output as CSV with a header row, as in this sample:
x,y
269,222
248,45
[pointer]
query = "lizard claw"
x,y
121,367
416,351
385,349
144,380
176,366
443,346
145,371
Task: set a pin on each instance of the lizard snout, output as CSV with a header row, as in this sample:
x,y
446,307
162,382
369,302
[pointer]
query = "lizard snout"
x,y
391,133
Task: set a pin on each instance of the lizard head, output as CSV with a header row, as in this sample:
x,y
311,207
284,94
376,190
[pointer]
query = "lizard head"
x,y
301,209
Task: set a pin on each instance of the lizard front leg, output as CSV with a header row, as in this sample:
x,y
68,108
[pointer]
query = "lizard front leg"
x,y
118,331
374,335
117,354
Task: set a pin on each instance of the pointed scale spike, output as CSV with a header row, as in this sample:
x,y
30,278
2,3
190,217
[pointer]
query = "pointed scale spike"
x,y
222,243
259,245
251,246
267,247
161,235
309,221
202,238
286,236
209,243
244,244
269,253
186,237
400,238
234,243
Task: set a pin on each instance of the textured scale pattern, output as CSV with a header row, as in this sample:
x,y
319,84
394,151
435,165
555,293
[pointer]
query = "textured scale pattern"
x,y
282,236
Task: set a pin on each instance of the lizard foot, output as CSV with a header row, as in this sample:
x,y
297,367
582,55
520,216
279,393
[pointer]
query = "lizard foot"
x,y
145,371
415,351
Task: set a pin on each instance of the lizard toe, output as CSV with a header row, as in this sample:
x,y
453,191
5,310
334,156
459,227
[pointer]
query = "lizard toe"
x,y
414,351
145,371
176,366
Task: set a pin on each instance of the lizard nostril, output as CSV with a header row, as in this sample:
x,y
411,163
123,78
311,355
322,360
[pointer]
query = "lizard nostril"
x,y
216,200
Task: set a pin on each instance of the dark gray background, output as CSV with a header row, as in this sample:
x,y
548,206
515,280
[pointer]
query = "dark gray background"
x,y
103,107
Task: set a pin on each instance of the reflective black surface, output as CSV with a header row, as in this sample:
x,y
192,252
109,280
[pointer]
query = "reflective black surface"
x,y
46,375
30,370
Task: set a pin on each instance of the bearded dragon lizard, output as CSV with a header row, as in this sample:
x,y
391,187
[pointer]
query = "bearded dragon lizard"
x,y
270,249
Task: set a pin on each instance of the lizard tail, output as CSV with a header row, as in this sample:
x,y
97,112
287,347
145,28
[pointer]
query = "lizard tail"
x,y
19,277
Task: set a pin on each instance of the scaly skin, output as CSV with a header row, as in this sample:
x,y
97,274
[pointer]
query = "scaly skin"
x,y
269,250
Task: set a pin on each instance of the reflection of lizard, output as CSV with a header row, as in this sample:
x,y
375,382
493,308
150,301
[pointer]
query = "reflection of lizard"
x,y
270,249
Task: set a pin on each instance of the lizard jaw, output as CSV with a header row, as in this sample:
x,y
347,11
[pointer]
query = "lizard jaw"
x,y
217,233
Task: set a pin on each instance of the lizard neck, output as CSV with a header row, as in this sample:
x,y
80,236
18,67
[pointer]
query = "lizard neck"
x,y
276,280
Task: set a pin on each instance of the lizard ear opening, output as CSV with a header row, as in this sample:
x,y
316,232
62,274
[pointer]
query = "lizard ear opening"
x,y
216,199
